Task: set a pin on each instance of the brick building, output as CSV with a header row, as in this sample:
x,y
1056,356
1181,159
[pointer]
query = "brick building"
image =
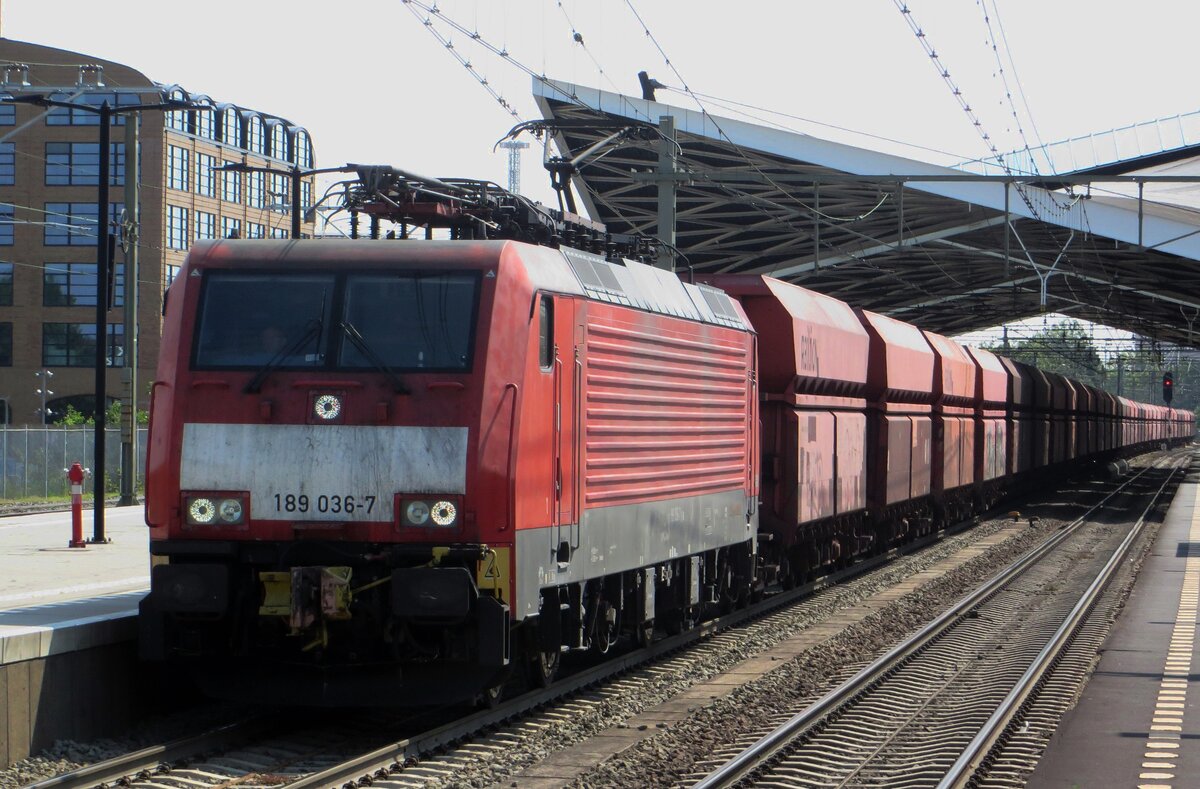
x,y
49,172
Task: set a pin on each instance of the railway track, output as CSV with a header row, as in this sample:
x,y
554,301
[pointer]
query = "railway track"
x,y
333,755
932,710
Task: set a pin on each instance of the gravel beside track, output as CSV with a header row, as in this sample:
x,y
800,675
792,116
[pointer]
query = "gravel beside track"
x,y
67,755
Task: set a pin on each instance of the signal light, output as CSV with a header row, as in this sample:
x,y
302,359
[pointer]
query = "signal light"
x,y
1168,386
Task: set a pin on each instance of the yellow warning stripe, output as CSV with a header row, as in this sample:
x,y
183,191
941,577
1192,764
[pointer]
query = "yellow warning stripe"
x,y
1166,728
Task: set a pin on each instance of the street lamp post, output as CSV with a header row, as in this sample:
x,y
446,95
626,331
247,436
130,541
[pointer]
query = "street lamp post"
x,y
45,376
106,112
296,174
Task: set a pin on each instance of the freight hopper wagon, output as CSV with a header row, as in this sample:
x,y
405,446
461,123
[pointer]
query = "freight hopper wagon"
x,y
955,399
900,398
390,473
991,426
813,356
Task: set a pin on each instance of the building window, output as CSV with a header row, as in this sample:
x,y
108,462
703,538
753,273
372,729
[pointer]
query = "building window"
x,y
230,227
231,186
255,192
5,349
78,164
172,273
63,116
231,128
6,225
205,125
280,188
74,285
305,195
254,134
74,224
302,146
74,344
6,284
178,161
8,163
206,225
8,114
177,120
255,230
177,227
279,142
279,232
206,185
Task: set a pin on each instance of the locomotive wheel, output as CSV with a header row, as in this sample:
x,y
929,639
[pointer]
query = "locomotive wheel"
x,y
544,667
490,698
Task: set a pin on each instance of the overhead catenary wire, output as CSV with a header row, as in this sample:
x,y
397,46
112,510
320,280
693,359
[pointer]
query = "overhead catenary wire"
x,y
995,14
448,44
721,131
578,37
1003,75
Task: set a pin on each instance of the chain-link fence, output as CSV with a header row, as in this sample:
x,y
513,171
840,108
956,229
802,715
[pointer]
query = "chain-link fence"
x,y
33,459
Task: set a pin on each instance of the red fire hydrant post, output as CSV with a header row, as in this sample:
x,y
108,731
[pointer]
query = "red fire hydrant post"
x,y
75,476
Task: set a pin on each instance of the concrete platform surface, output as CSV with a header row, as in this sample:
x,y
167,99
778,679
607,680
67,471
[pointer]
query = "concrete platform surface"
x,y
37,567
1137,723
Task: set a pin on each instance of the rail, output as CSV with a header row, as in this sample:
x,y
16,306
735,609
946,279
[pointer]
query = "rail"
x,y
969,762
150,760
767,748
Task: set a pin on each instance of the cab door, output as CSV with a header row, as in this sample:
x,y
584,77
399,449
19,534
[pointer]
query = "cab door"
x,y
568,385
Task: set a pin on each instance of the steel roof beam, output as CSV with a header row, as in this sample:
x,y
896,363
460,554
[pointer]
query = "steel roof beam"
x,y
866,252
1076,275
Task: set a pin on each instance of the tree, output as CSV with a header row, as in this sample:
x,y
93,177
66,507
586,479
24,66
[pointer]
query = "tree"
x,y
112,416
1065,348
1068,349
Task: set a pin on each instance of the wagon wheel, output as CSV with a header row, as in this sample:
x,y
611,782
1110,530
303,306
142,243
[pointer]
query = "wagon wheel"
x,y
544,667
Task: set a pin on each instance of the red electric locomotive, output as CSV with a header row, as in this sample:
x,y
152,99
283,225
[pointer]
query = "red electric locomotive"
x,y
390,472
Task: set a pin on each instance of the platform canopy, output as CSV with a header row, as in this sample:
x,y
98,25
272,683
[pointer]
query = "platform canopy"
x,y
924,243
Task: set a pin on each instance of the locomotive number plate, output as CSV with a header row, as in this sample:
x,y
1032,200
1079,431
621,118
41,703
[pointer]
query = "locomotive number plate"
x,y
324,504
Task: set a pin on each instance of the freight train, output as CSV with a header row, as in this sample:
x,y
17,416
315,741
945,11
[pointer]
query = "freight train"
x,y
400,472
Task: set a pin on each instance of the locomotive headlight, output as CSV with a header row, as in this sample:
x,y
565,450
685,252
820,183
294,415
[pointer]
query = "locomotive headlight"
x,y
327,407
425,511
444,513
230,510
215,509
417,513
202,511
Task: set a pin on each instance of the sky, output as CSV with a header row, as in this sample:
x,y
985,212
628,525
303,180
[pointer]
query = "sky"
x,y
372,83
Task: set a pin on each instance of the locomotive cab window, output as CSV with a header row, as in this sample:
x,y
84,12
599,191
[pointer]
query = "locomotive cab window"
x,y
249,320
546,332
406,321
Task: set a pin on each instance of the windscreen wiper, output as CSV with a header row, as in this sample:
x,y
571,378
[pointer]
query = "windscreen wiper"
x,y
357,340
312,330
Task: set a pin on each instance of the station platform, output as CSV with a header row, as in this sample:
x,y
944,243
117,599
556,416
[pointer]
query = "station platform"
x,y
54,598
68,630
1137,723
